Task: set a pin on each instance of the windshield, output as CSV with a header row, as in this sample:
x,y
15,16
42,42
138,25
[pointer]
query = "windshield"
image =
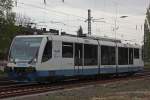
x,y
25,48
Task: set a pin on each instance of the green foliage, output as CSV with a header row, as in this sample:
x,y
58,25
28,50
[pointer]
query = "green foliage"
x,y
147,37
5,9
7,25
2,72
6,37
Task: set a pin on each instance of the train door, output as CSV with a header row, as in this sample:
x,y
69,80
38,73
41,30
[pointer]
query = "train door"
x,y
130,59
130,56
78,58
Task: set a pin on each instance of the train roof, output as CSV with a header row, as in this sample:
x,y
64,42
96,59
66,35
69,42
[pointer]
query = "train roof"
x,y
86,40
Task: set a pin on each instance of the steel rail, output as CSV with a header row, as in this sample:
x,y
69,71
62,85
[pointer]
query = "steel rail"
x,y
34,88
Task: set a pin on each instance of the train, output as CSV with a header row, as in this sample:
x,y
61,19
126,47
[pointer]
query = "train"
x,y
36,58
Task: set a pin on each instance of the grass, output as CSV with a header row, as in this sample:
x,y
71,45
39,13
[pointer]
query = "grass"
x,y
147,65
2,74
119,90
124,90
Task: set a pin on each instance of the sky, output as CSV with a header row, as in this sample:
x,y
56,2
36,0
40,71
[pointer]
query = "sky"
x,y
70,14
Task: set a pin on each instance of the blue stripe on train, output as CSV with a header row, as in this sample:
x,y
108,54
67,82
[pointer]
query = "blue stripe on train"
x,y
90,71
72,72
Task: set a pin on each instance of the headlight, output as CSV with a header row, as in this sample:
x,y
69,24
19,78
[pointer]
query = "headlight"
x,y
35,60
11,60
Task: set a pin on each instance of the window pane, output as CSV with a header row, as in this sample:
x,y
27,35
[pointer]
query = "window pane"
x,y
47,52
67,50
25,48
123,56
136,53
107,55
90,54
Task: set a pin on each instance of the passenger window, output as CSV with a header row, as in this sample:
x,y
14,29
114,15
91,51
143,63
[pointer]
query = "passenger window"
x,y
47,52
136,53
67,50
107,55
123,56
90,54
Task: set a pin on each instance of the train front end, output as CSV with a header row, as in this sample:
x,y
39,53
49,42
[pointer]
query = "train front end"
x,y
23,58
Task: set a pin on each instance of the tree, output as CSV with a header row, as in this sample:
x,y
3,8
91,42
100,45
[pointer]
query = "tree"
x,y
147,37
80,31
7,25
23,20
5,8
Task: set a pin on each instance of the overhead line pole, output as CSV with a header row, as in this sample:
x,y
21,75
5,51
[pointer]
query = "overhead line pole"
x,y
89,22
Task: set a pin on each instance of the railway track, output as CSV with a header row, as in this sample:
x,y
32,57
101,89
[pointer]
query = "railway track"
x,y
34,88
5,81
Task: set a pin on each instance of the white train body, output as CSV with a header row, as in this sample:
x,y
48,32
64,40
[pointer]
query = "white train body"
x,y
34,56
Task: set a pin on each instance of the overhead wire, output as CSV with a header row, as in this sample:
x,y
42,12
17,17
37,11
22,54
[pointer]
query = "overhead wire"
x,y
31,5
59,12
73,26
64,13
35,6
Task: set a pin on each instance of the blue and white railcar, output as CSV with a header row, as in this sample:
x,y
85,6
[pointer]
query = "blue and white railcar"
x,y
35,57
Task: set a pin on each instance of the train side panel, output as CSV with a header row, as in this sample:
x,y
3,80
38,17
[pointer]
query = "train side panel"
x,y
51,62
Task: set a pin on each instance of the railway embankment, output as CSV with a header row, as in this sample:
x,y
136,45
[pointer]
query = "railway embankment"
x,y
133,89
3,75
119,90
